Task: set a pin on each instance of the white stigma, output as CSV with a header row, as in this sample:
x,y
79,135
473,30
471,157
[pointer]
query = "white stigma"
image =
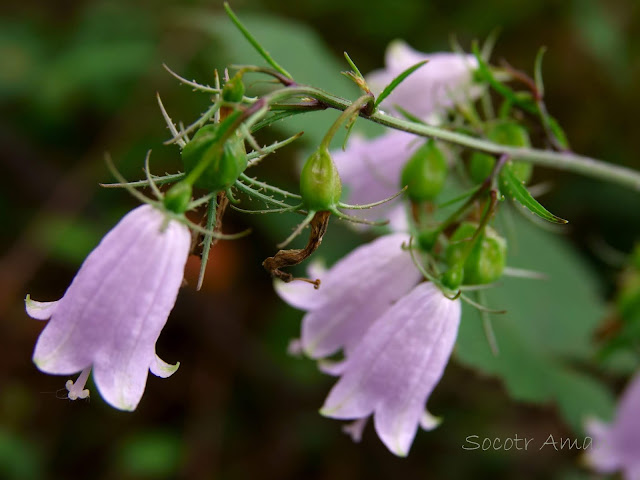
x,y
76,390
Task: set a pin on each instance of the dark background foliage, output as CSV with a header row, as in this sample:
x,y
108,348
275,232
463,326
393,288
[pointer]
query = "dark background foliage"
x,y
78,78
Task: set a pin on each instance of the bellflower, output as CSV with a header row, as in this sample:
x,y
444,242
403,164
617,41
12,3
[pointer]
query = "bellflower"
x,y
115,308
396,366
397,336
616,446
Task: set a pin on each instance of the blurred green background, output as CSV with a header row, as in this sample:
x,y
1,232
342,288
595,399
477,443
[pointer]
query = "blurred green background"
x,y
78,78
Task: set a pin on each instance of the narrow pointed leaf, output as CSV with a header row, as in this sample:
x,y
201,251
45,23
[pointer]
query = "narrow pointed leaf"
x,y
397,81
511,186
259,48
352,65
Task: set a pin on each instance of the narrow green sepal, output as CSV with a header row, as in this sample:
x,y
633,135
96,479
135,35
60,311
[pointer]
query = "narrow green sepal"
x,y
397,81
511,186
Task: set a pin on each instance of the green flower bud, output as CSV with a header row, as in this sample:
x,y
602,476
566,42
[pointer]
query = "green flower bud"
x,y
320,184
233,90
224,162
425,172
452,278
505,133
178,197
486,261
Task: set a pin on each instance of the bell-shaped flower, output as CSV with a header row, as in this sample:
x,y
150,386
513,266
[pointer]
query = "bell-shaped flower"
x,y
446,79
352,294
115,308
395,367
616,446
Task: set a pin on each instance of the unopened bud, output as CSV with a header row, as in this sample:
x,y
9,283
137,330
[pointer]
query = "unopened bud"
x,y
233,89
320,184
178,197
425,172
224,162
487,258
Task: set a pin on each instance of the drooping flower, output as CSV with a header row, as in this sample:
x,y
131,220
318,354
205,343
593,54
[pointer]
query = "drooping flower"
x,y
115,308
397,338
352,294
446,79
616,446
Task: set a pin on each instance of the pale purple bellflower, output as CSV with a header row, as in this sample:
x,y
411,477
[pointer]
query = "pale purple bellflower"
x,y
616,446
115,308
396,335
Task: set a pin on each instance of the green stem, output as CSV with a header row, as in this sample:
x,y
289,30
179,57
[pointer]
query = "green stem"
x,y
349,112
570,162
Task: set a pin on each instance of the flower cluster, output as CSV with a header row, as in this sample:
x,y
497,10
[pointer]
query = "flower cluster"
x,y
384,319
396,332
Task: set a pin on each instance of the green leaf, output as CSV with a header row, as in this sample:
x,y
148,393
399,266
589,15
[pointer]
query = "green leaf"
x,y
515,189
353,65
397,81
250,38
546,332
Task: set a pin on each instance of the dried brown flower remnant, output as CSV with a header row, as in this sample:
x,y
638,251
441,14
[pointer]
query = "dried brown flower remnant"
x,y
288,258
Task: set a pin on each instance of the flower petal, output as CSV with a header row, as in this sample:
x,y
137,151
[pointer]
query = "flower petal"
x,y
127,351
162,369
392,372
40,310
359,288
